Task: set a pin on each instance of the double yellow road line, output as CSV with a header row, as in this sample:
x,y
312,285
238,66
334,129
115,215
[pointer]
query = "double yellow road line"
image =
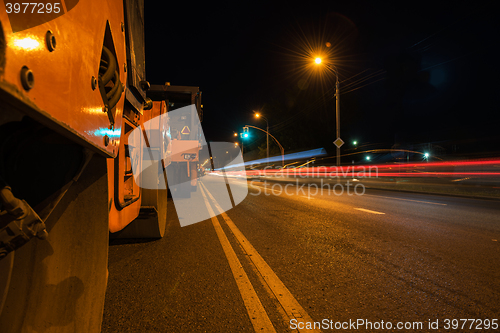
x,y
258,315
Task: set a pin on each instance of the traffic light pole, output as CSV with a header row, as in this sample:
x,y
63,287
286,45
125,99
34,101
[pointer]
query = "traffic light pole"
x,y
279,144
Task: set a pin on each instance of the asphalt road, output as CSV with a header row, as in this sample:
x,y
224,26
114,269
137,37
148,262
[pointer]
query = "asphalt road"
x,y
383,257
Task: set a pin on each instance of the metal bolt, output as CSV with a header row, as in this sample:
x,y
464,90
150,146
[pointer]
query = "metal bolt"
x,y
144,85
94,82
50,40
106,140
27,78
123,27
125,67
148,104
41,232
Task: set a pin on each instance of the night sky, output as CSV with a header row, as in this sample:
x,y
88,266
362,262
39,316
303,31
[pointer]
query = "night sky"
x,y
424,72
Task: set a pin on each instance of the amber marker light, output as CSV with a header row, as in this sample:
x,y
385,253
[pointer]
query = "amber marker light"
x,y
27,43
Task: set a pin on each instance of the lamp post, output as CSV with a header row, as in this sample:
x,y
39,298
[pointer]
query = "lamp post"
x,y
337,113
318,61
258,115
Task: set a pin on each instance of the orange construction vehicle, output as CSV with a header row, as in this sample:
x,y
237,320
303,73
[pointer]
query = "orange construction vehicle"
x,y
72,89
185,137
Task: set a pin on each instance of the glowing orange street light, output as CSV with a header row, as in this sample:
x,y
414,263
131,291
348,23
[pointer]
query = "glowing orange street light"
x,y
317,60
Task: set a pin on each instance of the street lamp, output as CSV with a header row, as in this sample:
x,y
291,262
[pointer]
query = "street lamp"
x,y
318,61
258,115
